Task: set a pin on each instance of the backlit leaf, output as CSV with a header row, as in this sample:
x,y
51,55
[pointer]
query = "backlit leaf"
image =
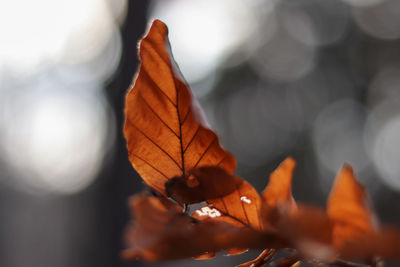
x,y
279,189
158,226
240,208
228,194
164,129
305,226
354,222
202,184
243,204
277,196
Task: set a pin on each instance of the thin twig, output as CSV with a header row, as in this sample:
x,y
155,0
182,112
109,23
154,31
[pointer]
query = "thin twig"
x,y
265,256
265,260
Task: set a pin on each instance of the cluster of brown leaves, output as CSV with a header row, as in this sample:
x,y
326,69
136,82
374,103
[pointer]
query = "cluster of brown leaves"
x,y
177,156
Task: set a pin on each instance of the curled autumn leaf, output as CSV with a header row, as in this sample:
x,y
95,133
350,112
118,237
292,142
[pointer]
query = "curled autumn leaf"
x,y
164,128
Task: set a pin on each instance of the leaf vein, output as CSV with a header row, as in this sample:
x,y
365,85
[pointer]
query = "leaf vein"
x,y
161,120
158,87
241,204
149,164
205,152
186,116
223,158
191,139
157,145
180,127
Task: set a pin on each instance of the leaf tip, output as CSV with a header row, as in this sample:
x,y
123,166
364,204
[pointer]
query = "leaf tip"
x,y
346,167
288,163
346,181
279,186
158,24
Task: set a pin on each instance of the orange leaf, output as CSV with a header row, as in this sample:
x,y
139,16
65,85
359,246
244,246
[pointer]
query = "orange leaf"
x,y
209,212
229,209
306,227
233,197
159,224
279,189
354,223
240,208
243,205
202,184
164,129
277,196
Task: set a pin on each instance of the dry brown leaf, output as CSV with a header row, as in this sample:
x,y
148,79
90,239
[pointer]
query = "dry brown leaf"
x,y
277,195
306,227
202,184
243,204
354,223
279,189
242,207
164,129
228,194
157,226
238,219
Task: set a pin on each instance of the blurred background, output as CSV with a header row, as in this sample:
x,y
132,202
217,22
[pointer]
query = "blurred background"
x,y
314,79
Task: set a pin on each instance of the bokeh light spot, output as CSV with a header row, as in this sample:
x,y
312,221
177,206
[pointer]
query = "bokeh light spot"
x,y
337,136
54,141
283,58
38,34
203,32
381,20
386,153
